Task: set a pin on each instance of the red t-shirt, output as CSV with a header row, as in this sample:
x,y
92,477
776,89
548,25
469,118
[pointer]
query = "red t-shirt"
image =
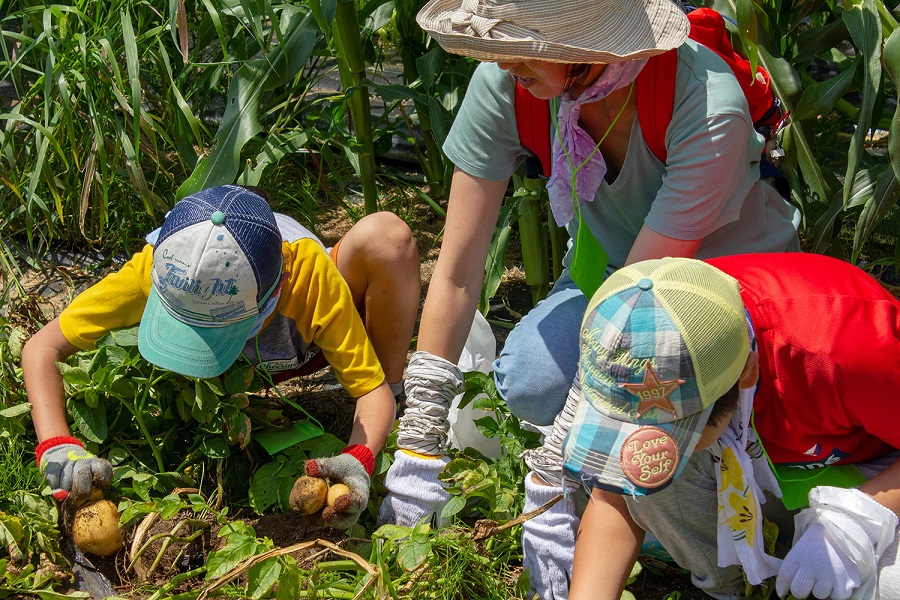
x,y
828,337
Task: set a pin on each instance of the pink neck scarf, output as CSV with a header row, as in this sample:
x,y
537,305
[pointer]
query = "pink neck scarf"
x,y
575,150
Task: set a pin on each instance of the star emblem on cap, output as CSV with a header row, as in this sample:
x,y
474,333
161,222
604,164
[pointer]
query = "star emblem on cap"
x,y
653,393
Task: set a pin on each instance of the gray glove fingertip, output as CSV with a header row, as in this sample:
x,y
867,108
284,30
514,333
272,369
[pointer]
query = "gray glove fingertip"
x,y
102,472
82,479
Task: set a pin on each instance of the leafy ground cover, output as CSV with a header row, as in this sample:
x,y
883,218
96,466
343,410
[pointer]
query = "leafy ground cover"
x,y
204,507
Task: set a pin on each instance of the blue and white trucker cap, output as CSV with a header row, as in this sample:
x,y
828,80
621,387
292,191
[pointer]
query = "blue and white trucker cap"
x,y
661,341
215,263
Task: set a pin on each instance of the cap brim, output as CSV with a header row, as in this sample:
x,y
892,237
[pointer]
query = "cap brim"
x,y
202,352
594,445
488,50
608,43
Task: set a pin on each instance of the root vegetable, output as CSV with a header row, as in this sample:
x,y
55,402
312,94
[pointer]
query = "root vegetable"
x,y
308,495
95,528
338,497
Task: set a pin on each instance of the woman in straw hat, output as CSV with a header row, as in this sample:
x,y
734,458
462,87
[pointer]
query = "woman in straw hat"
x,y
705,200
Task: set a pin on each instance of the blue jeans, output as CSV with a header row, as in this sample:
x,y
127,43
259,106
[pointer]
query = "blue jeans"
x,y
540,357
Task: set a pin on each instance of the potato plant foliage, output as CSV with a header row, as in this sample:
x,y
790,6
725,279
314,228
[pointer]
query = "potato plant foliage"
x,y
165,433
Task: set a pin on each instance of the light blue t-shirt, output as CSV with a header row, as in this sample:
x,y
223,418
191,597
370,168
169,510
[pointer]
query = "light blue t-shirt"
x,y
708,189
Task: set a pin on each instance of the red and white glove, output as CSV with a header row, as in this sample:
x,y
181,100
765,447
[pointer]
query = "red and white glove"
x,y
838,542
353,467
70,469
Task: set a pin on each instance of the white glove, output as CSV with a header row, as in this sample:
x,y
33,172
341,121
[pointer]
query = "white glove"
x,y
838,541
548,541
415,491
412,481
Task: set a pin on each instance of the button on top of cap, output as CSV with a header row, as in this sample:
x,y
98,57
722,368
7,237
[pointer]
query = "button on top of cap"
x,y
645,284
217,217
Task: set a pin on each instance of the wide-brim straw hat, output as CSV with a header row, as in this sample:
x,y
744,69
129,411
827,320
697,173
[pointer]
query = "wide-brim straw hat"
x,y
561,31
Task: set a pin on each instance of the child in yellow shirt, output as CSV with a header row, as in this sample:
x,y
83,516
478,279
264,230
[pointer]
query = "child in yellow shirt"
x,y
225,277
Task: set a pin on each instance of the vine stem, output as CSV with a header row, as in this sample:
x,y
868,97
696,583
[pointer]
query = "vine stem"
x,y
136,413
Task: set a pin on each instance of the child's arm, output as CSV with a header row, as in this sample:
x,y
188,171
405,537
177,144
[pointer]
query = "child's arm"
x,y
68,467
43,382
885,488
607,545
354,466
373,418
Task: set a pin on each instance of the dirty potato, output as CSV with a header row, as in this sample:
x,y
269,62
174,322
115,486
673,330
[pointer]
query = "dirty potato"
x,y
308,495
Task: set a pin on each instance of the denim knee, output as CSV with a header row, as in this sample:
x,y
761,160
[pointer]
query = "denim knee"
x,y
540,357
531,395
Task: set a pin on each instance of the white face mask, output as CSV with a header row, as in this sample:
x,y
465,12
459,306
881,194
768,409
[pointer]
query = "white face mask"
x,y
267,309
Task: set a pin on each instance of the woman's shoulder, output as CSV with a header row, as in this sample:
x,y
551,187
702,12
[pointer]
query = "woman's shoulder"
x,y
489,78
703,77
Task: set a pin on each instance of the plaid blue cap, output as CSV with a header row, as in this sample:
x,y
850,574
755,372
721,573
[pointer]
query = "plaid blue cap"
x,y
216,261
661,341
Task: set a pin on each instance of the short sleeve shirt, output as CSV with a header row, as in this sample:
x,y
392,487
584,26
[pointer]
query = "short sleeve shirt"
x,y
315,313
709,188
828,337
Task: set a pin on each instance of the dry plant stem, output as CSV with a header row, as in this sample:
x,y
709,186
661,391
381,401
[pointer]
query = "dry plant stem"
x,y
143,529
168,538
486,528
483,529
247,564
137,543
417,574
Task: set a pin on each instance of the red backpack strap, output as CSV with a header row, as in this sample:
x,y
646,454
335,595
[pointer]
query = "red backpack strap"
x,y
655,88
533,125
708,29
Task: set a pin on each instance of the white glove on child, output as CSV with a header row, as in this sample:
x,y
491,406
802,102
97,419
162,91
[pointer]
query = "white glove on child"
x,y
415,491
548,541
838,541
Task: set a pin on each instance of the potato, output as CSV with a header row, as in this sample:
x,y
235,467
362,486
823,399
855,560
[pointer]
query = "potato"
x,y
308,495
95,528
338,497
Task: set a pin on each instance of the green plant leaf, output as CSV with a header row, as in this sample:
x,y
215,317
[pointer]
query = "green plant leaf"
x,y
864,25
126,338
240,123
487,426
323,445
747,28
77,377
414,552
262,576
883,200
891,58
90,421
262,493
819,98
289,585
223,560
215,447
453,506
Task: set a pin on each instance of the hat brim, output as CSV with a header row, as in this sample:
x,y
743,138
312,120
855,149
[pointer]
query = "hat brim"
x,y
202,352
593,450
667,29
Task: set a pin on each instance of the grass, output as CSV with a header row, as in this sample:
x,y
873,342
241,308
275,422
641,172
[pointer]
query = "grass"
x,y
17,469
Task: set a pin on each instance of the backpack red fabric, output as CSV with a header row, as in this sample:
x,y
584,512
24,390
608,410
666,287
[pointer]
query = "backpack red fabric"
x,y
655,91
